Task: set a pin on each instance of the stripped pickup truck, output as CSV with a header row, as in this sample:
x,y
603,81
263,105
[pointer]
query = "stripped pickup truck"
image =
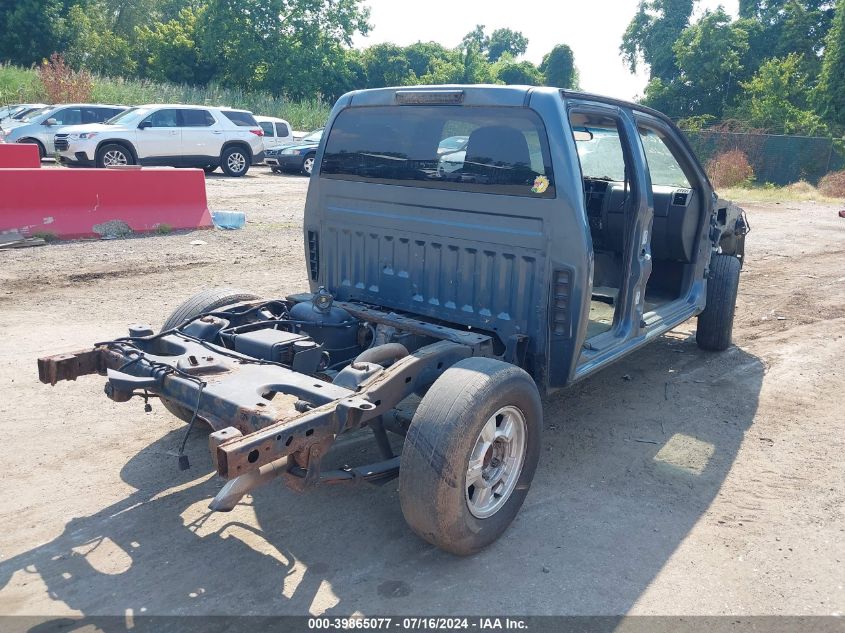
x,y
460,280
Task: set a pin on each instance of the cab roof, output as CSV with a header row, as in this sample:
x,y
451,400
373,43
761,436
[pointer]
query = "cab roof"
x,y
487,94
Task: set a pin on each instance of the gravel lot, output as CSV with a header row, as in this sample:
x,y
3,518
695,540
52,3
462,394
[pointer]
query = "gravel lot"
x,y
676,482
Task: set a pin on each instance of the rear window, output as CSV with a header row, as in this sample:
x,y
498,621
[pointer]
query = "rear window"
x,y
482,149
241,119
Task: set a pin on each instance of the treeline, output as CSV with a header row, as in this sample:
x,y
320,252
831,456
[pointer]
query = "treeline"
x,y
779,67
294,48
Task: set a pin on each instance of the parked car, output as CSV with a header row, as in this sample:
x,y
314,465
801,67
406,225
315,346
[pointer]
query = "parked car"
x,y
298,157
40,128
479,291
9,111
451,152
14,111
277,132
452,144
171,135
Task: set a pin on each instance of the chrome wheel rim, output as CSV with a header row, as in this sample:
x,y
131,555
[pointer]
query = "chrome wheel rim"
x,y
308,165
236,162
115,157
495,462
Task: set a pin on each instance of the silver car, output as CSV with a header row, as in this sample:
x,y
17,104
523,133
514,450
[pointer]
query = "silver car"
x,y
40,127
11,114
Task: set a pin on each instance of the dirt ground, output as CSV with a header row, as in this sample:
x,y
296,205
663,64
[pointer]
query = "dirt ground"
x,y
676,482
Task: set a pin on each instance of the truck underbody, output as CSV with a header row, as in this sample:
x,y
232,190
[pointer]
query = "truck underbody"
x,y
278,384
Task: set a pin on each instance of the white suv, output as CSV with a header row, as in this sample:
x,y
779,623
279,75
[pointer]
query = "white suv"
x,y
173,135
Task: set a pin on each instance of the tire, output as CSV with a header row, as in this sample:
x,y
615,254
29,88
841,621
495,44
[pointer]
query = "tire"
x,y
42,151
308,164
276,170
210,169
439,501
205,301
235,161
112,154
715,324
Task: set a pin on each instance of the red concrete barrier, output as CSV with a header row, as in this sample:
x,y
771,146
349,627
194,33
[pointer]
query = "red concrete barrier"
x,y
77,203
19,155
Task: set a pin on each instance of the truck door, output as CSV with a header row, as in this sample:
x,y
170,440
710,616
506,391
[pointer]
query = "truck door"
x,y
619,212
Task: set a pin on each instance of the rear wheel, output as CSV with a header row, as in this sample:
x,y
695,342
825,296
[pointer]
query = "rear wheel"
x,y
308,164
470,454
715,324
114,155
235,161
205,301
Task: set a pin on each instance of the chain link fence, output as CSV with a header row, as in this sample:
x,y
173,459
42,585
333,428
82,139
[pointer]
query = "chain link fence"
x,y
776,158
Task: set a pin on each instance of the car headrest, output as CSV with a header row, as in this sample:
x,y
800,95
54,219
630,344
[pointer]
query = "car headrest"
x,y
498,146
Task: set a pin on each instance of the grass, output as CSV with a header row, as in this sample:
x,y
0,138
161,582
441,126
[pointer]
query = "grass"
x,y
796,192
20,85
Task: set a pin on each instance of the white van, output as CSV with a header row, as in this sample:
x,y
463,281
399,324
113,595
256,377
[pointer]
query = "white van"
x,y
277,132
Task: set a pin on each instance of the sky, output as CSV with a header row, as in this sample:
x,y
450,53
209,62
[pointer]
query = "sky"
x,y
593,28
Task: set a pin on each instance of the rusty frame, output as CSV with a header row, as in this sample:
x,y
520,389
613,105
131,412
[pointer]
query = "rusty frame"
x,y
230,391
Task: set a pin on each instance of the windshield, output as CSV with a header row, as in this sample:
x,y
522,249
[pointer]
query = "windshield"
x,y
33,114
314,137
128,117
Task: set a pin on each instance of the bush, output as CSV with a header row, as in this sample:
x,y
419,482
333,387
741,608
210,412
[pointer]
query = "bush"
x,y
802,187
63,84
730,169
833,184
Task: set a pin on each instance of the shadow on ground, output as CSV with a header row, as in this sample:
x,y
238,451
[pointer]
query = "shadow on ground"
x,y
632,459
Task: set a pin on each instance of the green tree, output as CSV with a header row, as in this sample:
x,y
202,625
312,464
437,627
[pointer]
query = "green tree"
x,y
445,71
387,65
343,71
711,58
831,89
31,30
777,99
169,51
276,45
476,69
652,33
781,27
558,67
476,38
506,41
749,8
423,56
123,17
509,71
93,45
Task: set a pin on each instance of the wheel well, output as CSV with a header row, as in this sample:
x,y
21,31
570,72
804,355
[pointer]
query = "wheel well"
x,y
240,144
29,140
125,144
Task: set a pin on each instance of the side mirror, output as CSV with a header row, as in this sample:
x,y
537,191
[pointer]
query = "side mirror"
x,y
50,122
143,125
